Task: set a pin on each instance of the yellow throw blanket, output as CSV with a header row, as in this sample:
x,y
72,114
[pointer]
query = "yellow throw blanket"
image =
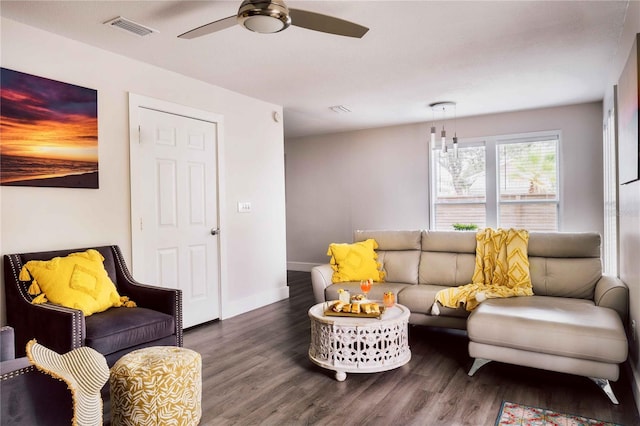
x,y
502,270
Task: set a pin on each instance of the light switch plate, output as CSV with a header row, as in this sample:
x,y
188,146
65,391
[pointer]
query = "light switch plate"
x,y
244,207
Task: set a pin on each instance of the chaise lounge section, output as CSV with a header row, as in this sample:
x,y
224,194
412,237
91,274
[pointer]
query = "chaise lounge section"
x,y
572,324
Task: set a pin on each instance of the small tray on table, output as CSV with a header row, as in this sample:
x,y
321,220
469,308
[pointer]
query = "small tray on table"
x,y
331,313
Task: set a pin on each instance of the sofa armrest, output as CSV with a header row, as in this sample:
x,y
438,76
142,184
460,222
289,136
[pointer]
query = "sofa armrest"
x,y
56,327
7,343
60,329
320,279
612,292
15,367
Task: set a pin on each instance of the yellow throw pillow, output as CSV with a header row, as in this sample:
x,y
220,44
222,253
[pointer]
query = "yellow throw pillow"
x,y
355,262
77,281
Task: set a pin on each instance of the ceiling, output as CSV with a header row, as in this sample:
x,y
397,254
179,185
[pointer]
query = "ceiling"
x,y
488,56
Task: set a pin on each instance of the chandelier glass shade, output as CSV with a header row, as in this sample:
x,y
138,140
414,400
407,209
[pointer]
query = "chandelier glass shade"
x,y
443,107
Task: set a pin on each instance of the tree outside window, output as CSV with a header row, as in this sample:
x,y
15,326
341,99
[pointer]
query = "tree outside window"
x,y
460,187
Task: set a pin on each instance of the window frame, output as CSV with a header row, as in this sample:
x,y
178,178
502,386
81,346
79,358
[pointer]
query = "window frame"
x,y
492,176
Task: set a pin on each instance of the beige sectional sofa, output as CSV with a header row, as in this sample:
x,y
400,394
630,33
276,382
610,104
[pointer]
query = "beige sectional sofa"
x,y
572,324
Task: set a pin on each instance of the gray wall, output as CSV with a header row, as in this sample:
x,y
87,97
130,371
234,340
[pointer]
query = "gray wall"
x,y
379,178
629,205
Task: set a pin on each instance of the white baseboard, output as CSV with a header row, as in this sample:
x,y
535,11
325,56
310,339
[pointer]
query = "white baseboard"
x,y
231,308
301,266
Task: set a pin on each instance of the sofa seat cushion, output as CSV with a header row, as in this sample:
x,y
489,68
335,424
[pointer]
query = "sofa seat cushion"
x,y
574,328
420,298
120,328
376,293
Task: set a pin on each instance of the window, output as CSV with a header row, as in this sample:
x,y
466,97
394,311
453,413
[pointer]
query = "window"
x,y
497,182
528,185
460,187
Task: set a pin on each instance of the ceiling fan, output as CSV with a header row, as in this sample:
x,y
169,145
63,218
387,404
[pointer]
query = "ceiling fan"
x,y
272,16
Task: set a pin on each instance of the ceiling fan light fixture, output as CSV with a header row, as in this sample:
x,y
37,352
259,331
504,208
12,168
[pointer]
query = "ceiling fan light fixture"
x,y
264,17
272,16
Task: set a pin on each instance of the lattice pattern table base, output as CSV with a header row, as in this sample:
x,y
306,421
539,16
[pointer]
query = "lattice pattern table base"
x,y
359,345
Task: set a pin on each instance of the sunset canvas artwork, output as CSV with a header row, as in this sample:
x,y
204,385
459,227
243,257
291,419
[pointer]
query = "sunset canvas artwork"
x,y
48,132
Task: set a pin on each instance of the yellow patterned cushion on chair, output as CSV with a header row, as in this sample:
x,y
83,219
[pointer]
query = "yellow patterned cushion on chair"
x,y
77,281
157,385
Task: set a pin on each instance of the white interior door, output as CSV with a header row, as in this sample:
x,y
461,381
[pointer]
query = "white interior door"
x,y
176,218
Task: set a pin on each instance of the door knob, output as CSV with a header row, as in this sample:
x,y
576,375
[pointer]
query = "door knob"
x,y
214,231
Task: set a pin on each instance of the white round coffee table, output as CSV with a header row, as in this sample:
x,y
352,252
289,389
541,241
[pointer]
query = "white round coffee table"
x,y
359,345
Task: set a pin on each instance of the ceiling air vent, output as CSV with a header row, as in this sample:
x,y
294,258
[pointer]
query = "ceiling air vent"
x,y
340,109
130,26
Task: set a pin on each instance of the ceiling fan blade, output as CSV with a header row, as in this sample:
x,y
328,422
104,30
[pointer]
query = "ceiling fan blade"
x,y
211,27
326,24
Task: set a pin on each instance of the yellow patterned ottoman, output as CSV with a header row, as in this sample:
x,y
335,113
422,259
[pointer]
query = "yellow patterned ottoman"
x,y
157,385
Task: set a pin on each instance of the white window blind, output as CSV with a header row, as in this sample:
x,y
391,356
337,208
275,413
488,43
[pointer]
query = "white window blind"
x,y
528,184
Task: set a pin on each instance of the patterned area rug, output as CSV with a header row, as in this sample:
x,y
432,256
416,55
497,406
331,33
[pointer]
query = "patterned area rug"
x,y
512,413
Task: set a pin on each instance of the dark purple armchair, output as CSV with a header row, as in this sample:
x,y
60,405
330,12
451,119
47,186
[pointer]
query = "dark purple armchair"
x,y
157,321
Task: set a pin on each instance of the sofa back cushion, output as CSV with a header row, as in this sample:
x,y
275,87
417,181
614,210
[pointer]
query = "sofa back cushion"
x,y
449,241
564,245
398,252
565,264
561,264
448,258
450,269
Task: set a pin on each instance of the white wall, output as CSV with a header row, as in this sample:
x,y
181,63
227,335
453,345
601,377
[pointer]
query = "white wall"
x,y
629,205
35,219
379,178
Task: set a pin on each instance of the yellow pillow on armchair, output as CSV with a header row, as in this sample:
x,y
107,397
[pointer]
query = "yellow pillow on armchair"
x,y
77,281
355,262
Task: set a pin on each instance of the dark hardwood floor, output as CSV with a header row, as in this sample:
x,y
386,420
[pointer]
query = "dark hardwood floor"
x,y
256,372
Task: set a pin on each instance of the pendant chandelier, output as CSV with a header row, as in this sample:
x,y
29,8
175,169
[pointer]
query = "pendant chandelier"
x,y
444,107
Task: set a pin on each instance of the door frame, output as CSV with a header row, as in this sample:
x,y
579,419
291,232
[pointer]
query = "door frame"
x,y
135,103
